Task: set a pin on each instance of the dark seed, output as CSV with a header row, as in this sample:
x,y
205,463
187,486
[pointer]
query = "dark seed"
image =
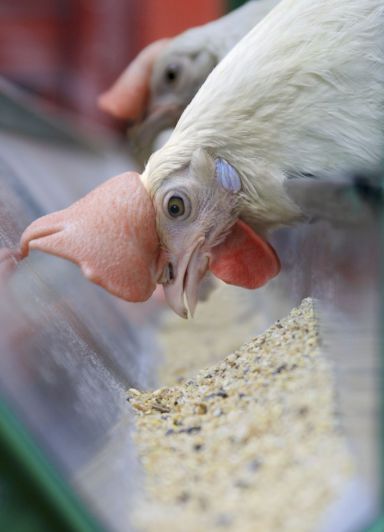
x,y
220,393
281,368
190,430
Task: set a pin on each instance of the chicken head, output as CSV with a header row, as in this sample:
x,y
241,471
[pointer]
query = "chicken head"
x,y
197,220
155,88
128,240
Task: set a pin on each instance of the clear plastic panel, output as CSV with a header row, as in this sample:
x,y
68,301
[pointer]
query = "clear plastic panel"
x,y
69,351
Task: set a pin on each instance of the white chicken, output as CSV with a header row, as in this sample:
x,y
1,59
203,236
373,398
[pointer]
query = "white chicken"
x,y
158,85
302,93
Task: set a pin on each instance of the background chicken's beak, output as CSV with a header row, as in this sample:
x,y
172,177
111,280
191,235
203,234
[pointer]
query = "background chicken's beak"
x,y
110,233
128,96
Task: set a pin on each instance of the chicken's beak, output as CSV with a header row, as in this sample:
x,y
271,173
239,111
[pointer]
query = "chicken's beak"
x,y
183,276
110,233
143,135
128,96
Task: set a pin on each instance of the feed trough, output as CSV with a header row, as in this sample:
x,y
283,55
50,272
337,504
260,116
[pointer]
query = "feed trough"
x,y
70,352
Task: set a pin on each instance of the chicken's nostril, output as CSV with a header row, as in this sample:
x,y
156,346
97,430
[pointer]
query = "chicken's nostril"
x,y
167,275
171,274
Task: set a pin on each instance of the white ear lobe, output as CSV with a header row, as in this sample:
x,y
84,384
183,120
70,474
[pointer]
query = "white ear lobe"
x,y
227,176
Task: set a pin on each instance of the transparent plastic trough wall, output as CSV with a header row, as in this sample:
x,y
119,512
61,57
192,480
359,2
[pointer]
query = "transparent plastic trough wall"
x,y
69,351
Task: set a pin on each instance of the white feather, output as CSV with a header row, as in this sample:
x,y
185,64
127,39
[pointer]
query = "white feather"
x,y
304,90
219,37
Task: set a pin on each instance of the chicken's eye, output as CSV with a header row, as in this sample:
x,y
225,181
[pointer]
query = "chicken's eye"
x,y
172,73
176,206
